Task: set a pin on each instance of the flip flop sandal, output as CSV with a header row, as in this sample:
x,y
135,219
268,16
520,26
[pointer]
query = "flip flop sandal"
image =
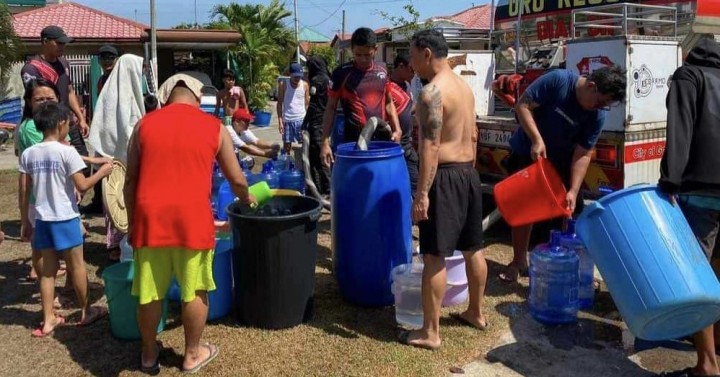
x,y
38,332
100,313
205,362
506,275
153,370
687,372
462,320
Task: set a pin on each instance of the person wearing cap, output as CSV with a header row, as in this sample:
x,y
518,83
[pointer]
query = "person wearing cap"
x,y
52,66
245,140
292,105
172,231
107,55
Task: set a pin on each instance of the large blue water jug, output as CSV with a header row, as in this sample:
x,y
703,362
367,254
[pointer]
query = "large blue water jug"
x,y
554,282
586,290
371,225
653,265
217,180
280,163
292,179
224,198
269,175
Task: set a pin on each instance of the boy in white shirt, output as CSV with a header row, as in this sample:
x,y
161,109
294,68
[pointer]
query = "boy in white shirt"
x,y
247,141
54,171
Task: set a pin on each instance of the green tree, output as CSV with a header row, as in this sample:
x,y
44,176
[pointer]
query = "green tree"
x,y
11,48
266,44
326,52
407,24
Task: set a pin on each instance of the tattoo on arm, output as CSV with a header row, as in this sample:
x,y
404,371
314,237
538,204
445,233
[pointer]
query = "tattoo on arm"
x,y
429,110
529,102
433,170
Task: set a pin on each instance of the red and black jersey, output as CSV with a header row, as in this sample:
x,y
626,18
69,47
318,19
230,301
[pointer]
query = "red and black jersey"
x,y
361,92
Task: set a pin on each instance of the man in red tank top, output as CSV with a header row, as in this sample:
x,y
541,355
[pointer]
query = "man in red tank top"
x,y
167,194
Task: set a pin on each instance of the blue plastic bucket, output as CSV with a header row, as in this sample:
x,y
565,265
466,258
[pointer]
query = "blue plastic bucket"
x,y
123,306
371,225
262,118
220,300
652,263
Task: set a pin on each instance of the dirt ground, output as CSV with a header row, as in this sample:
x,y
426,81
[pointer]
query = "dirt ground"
x,y
341,339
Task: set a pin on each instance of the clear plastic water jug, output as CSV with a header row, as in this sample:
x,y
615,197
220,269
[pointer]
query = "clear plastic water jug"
x,y
407,289
224,198
292,179
554,281
280,163
586,291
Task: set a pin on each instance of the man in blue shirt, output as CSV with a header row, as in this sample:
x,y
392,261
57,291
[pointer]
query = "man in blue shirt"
x,y
561,116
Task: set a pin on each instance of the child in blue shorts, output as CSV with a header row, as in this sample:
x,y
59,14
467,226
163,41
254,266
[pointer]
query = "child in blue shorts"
x,y
53,171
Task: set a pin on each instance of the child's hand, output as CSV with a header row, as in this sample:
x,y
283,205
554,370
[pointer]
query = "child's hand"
x,y
106,169
26,231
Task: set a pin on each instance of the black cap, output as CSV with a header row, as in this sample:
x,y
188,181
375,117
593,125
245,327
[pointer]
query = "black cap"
x,y
108,49
56,33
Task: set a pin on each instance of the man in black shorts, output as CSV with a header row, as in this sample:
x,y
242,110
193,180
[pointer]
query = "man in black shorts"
x,y
448,200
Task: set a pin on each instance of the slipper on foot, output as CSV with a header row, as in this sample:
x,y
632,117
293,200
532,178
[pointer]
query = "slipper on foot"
x,y
154,369
461,319
38,332
99,311
214,351
687,372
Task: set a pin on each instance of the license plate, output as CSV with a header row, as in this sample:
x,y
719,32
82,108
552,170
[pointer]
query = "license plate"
x,y
495,138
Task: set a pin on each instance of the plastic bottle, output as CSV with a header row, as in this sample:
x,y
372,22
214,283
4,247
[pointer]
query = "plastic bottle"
x,y
126,251
586,291
292,179
217,180
554,282
269,175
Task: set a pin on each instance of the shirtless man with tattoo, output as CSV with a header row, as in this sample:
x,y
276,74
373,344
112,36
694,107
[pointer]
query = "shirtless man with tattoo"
x,y
447,205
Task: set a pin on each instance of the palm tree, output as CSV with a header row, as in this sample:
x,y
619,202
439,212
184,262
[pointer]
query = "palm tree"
x,y
10,47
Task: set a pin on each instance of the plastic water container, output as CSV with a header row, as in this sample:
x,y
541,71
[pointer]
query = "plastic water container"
x,y
217,181
269,175
126,251
371,227
652,263
338,131
531,195
292,179
224,198
456,292
554,283
123,306
407,289
280,163
586,291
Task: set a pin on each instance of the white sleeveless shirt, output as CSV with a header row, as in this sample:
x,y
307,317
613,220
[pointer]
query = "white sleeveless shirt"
x,y
294,102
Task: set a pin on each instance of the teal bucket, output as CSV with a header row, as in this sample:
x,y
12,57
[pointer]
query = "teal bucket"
x,y
122,304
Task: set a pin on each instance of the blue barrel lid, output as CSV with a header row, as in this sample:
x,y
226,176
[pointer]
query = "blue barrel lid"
x,y
376,149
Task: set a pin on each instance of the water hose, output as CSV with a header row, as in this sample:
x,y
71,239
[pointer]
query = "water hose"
x,y
367,132
309,183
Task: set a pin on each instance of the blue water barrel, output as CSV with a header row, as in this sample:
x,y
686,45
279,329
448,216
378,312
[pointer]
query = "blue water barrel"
x,y
371,223
338,131
653,265
262,118
220,300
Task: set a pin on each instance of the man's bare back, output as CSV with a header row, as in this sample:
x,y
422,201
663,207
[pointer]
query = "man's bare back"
x,y
458,132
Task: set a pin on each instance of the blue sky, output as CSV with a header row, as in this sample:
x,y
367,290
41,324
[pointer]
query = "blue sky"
x,y
325,16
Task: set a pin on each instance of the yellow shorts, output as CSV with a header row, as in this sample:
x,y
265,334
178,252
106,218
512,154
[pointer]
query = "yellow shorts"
x,y
155,266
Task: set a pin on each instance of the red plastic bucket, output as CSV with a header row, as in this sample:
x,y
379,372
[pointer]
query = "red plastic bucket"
x,y
531,195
